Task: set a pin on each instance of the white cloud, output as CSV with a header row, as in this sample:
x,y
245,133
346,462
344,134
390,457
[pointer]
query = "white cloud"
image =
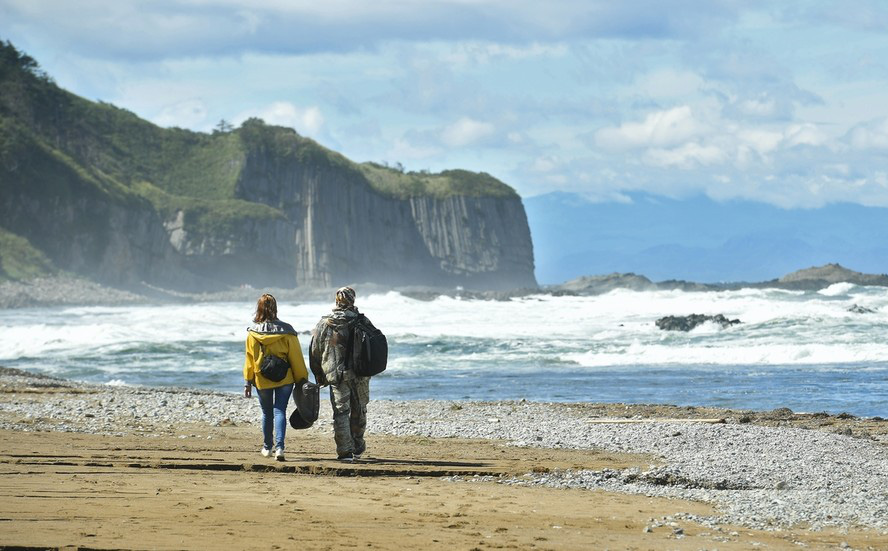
x,y
516,138
189,28
805,134
185,114
669,83
659,129
688,155
308,121
762,141
870,135
483,53
759,107
409,151
545,164
660,96
466,131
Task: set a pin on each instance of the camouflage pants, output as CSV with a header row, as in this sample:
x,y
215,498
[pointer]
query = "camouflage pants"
x,y
350,398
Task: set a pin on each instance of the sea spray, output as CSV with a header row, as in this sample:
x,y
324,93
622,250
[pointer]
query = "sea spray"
x,y
804,350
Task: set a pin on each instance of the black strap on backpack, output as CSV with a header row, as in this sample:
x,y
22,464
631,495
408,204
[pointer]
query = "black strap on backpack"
x,y
350,347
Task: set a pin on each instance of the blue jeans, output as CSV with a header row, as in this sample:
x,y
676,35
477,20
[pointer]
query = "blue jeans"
x,y
273,402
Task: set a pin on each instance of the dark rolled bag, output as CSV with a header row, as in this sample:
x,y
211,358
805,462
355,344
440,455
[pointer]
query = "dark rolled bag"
x,y
307,397
274,368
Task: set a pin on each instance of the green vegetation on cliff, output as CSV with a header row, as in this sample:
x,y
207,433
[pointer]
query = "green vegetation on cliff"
x,y
185,163
205,216
394,182
19,260
58,149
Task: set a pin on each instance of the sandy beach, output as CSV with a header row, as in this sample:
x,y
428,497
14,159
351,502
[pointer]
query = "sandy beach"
x,y
104,467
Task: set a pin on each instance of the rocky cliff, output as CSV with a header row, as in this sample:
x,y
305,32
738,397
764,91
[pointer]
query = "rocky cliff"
x,y
821,276
809,279
107,195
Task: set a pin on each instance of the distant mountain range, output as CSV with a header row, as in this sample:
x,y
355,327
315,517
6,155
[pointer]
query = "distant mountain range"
x,y
699,239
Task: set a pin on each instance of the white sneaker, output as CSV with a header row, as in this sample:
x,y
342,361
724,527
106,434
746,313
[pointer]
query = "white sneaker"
x,y
279,454
265,452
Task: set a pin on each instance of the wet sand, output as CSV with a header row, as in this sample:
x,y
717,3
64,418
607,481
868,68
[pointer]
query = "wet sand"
x,y
131,492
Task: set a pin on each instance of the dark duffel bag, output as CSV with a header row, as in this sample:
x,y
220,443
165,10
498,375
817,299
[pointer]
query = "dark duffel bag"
x,y
307,397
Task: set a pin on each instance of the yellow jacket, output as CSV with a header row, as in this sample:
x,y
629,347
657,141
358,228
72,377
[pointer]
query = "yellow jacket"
x,y
277,338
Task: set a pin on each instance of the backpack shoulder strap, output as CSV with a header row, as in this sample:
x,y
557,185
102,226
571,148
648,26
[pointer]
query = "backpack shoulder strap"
x,y
350,347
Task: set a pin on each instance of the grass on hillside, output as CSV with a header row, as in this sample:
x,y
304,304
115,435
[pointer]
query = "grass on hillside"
x,y
19,260
124,148
65,148
208,217
448,183
27,159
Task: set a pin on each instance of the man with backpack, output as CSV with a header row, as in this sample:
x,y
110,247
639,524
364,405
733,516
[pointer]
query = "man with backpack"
x,y
345,350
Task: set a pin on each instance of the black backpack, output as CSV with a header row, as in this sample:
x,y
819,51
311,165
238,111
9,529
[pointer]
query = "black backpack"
x,y
373,348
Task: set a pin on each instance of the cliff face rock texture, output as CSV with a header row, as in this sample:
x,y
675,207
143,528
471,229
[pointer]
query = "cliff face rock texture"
x,y
344,231
114,198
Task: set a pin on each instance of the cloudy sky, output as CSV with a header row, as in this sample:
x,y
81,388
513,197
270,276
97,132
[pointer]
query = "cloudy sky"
x,y
782,102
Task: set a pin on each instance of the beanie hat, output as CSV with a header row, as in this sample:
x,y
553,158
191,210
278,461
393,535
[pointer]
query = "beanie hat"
x,y
345,297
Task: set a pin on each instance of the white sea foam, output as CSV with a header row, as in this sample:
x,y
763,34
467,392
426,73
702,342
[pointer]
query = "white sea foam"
x,y
837,289
736,354
778,327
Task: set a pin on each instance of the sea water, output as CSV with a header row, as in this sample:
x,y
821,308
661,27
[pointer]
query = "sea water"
x,y
798,349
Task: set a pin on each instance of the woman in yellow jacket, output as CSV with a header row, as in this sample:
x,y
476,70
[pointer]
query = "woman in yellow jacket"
x,y
269,335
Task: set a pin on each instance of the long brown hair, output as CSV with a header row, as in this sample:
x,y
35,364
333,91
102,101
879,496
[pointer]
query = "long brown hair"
x,y
266,309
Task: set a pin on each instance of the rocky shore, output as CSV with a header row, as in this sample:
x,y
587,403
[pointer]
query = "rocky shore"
x,y
62,291
763,470
69,290
66,290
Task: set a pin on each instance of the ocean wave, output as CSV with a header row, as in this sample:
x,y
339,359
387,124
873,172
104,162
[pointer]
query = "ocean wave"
x,y
732,354
838,289
778,327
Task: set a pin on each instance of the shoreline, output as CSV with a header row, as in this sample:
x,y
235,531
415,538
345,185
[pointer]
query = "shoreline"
x,y
875,428
760,471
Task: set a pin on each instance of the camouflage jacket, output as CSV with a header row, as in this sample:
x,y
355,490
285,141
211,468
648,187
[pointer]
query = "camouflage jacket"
x,y
329,345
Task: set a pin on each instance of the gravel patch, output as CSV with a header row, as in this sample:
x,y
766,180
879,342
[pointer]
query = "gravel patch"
x,y
761,477
62,290
758,476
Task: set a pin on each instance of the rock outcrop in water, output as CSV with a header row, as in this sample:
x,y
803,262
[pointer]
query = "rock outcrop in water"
x,y
596,285
810,279
823,276
687,323
103,194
